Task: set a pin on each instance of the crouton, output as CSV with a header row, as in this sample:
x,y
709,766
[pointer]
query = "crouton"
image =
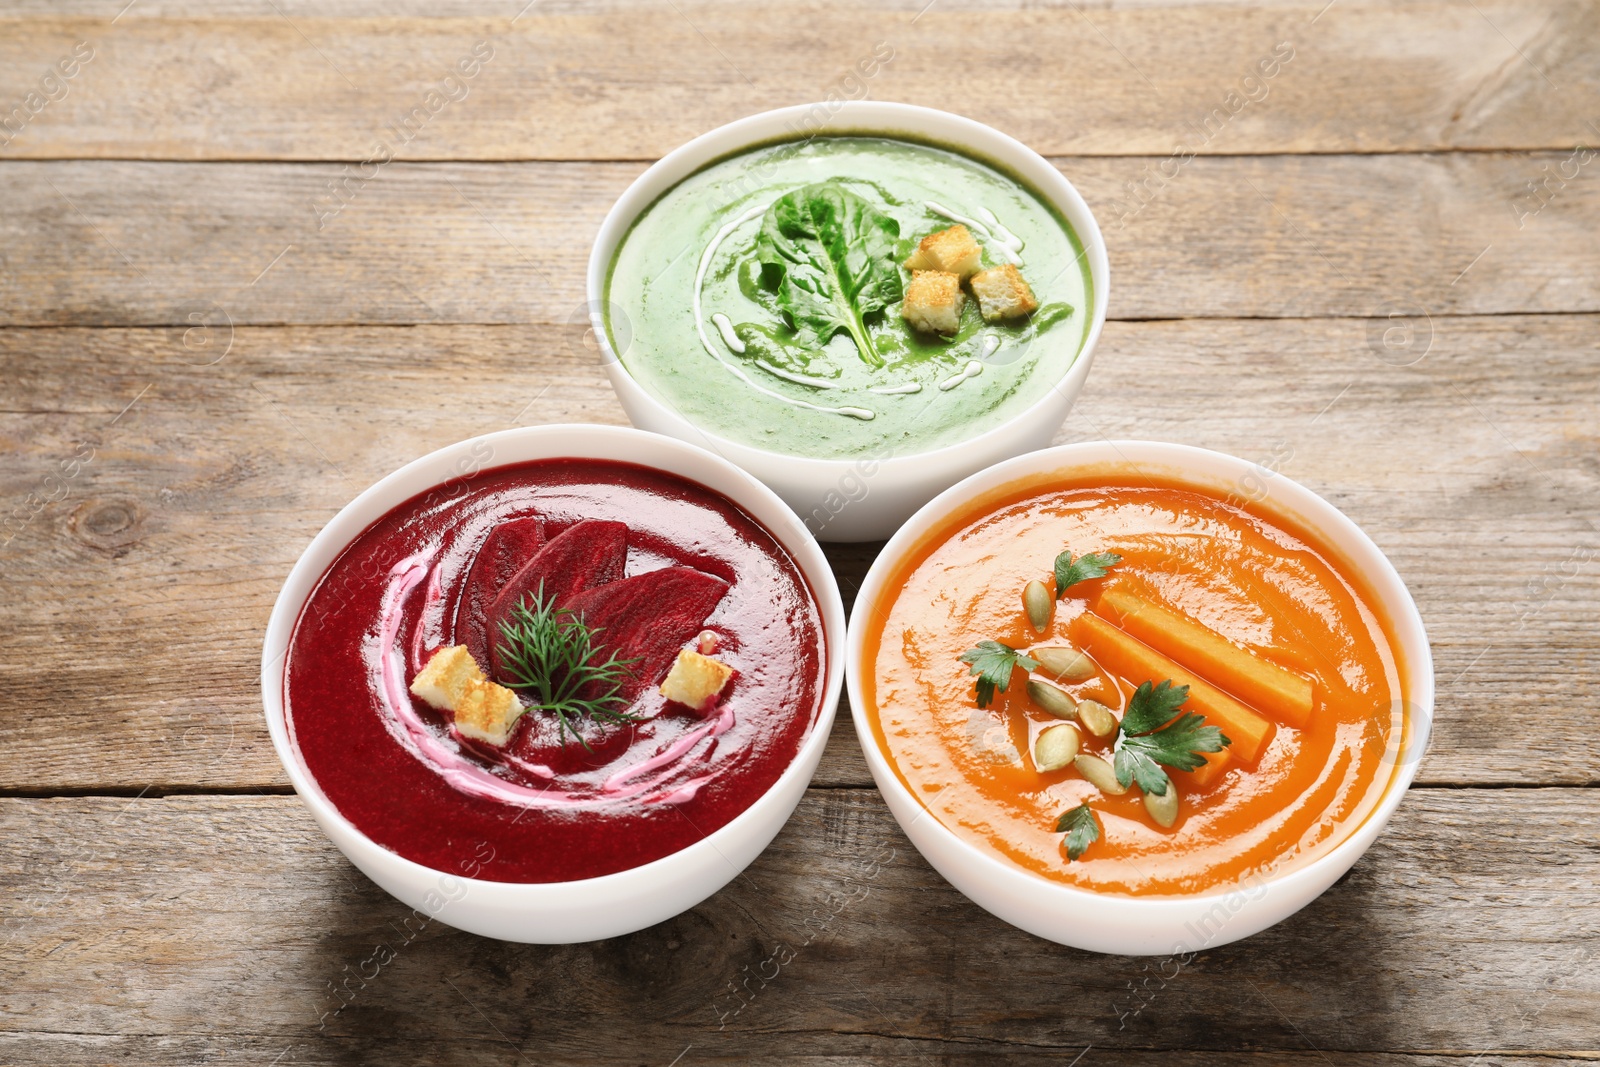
x,y
444,679
933,302
695,680
487,712
1002,294
953,251
452,681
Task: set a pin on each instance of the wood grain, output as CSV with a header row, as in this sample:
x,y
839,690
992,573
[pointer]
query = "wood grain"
x,y
135,1049
143,590
154,915
633,80
96,243
1379,278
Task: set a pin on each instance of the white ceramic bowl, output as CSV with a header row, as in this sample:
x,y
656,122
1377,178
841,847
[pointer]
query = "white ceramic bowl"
x,y
860,499
592,908
1156,925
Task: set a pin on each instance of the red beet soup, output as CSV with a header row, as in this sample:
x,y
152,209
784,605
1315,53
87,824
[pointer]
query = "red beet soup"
x,y
658,567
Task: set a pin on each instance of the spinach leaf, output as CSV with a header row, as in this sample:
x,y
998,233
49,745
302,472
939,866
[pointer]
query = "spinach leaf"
x,y
830,254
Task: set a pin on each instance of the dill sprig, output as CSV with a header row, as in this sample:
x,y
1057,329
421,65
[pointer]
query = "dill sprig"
x,y
552,656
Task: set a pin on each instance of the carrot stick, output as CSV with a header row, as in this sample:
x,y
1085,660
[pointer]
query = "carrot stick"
x,y
1208,772
1136,661
1278,692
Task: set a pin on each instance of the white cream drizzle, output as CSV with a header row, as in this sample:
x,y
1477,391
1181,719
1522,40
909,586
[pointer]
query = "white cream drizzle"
x,y
892,390
1002,235
646,780
1006,243
815,383
431,623
989,345
725,328
700,326
971,370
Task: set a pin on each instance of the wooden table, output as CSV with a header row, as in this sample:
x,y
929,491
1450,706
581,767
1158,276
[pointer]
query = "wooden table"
x,y
221,316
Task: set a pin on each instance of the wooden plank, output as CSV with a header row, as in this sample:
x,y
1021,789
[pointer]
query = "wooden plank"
x,y
96,243
633,80
142,588
230,925
134,1050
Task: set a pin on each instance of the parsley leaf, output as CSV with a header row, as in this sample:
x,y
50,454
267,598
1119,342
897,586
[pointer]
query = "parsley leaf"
x,y
993,662
1153,706
1069,571
1146,737
1081,829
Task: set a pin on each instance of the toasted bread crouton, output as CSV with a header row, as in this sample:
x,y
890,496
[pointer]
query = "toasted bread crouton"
x,y
487,712
953,251
695,680
933,302
452,681
443,680
1002,294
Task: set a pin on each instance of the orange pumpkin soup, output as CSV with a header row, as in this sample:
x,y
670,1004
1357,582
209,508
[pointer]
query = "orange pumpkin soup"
x,y
1279,645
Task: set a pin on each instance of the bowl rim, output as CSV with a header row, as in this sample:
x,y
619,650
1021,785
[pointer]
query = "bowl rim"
x,y
866,117
1417,678
341,530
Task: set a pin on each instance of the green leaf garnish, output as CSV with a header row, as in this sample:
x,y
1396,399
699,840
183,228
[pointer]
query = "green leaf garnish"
x,y
830,254
551,655
1153,706
1069,571
1081,828
993,663
1149,736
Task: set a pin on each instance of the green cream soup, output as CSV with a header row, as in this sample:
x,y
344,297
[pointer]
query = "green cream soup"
x,y
761,298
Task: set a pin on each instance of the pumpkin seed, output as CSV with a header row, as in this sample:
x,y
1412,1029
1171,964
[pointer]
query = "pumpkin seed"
x,y
1039,604
1056,701
1096,718
1065,662
1163,809
1056,747
1100,774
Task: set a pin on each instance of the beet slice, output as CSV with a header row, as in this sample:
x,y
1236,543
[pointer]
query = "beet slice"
x,y
649,617
585,554
506,550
